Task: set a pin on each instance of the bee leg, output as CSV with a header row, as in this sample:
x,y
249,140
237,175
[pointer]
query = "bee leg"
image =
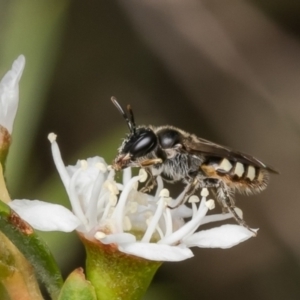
x,y
151,162
190,190
151,182
228,204
194,185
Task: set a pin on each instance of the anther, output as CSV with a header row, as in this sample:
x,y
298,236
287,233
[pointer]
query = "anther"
x,y
194,199
143,175
164,193
99,235
210,204
52,137
204,192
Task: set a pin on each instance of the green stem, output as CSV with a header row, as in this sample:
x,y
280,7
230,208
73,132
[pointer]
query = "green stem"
x,y
116,275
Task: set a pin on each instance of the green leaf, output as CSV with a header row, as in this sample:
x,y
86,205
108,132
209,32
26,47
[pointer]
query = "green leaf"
x,y
5,270
17,277
5,141
23,236
77,287
3,293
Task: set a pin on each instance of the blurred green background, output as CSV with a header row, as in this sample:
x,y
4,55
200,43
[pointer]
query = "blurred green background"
x,y
228,71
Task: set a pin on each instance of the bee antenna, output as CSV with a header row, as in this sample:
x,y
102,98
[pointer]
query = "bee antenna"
x,y
131,118
130,122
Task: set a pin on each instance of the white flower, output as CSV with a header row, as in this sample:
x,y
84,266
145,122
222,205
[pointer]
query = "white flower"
x,y
138,224
9,93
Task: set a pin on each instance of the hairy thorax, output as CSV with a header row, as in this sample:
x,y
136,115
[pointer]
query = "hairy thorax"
x,y
181,166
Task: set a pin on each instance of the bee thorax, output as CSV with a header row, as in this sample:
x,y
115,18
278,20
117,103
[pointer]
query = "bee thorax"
x,y
181,166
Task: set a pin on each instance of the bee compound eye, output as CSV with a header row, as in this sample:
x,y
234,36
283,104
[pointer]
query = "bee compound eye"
x,y
168,138
141,143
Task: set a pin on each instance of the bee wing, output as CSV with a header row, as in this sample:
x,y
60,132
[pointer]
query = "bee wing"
x,y
196,145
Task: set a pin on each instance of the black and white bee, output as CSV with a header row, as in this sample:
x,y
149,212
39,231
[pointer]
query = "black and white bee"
x,y
180,156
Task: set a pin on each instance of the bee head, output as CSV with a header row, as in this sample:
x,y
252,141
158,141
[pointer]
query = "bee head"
x,y
140,141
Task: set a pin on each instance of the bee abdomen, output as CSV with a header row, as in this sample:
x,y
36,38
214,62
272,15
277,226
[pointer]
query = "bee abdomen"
x,y
246,178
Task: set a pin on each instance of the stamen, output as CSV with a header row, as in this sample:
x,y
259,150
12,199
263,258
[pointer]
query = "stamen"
x,y
99,235
58,161
188,228
52,137
102,202
168,221
154,221
194,209
143,175
119,210
210,204
111,186
106,210
91,212
204,192
111,173
216,218
74,200
113,199
135,186
161,235
164,193
126,175
160,186
194,199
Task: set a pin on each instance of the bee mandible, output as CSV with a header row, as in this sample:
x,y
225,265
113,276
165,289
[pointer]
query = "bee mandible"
x,y
177,155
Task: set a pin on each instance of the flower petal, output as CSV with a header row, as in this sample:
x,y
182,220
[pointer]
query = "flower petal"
x,y
9,93
118,238
182,211
45,216
225,236
216,218
157,252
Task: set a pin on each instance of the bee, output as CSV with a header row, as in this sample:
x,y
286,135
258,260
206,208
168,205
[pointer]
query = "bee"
x,y
177,155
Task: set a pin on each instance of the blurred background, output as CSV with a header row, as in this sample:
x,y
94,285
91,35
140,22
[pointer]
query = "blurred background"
x,y
228,71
